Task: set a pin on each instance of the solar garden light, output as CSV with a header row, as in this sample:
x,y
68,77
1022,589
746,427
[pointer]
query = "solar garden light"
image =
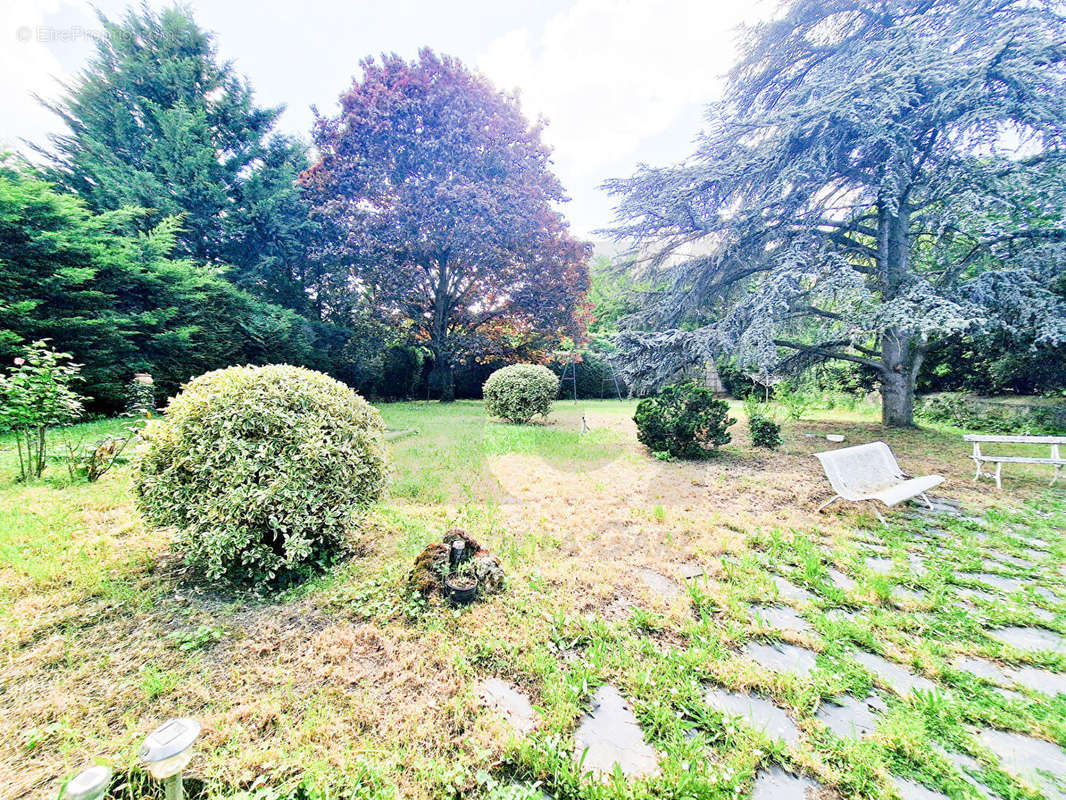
x,y
89,784
167,750
458,551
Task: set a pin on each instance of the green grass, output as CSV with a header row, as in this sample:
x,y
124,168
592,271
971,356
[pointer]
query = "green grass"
x,y
348,686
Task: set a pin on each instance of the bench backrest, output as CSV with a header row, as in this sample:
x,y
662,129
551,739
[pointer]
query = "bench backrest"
x,y
860,470
983,437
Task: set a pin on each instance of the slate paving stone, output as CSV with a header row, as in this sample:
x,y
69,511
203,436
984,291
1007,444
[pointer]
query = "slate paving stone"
x,y
790,591
1042,614
690,572
1046,594
916,564
843,614
881,566
902,593
1033,760
1030,638
757,712
660,584
512,704
779,617
1001,582
609,734
1011,694
1014,561
982,668
781,657
903,681
911,790
841,580
776,784
849,717
977,594
1040,680
968,766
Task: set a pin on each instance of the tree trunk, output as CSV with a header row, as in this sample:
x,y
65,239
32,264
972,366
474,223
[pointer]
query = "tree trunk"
x,y
447,383
901,354
897,400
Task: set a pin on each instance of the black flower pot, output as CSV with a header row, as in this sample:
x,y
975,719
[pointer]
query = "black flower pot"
x,y
462,589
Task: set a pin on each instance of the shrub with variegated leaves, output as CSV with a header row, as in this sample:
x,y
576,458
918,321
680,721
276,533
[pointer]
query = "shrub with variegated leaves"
x,y
261,470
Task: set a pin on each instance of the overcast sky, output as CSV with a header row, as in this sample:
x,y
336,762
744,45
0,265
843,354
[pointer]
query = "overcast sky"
x,y
619,81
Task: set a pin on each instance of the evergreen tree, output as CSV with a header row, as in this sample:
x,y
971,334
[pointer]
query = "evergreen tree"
x,y
829,211
158,122
114,298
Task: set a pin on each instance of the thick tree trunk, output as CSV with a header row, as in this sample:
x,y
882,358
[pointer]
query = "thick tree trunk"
x,y
897,400
901,355
446,381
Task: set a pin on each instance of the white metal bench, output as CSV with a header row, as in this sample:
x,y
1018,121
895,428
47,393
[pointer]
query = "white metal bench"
x,y
979,458
870,472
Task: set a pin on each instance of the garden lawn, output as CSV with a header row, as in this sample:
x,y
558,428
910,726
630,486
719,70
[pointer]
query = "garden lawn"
x,y
661,579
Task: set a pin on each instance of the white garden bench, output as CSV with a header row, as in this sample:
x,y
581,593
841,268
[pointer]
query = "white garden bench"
x,y
869,472
979,458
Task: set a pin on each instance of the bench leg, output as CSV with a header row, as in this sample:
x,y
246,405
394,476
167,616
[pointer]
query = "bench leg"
x,y
873,505
925,497
977,473
999,468
829,502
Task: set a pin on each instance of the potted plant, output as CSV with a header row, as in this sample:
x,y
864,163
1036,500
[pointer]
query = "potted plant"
x,y
461,585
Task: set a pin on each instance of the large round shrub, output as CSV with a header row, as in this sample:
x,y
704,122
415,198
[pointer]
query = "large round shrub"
x,y
520,392
683,421
261,469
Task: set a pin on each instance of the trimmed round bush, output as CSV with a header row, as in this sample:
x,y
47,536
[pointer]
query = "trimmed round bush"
x,y
683,421
261,469
520,392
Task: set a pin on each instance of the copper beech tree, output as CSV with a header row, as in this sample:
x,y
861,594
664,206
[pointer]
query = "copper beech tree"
x,y
444,206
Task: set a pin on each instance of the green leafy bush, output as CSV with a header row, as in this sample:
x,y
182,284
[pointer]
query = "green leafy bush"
x,y
261,469
764,431
1015,415
520,392
685,421
34,396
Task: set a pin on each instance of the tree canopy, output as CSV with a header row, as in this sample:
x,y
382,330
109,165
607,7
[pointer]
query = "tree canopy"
x,y
879,174
444,207
116,300
157,121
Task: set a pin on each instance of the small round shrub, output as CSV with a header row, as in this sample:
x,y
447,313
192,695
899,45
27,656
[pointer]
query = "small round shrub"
x,y
684,421
520,392
764,431
261,469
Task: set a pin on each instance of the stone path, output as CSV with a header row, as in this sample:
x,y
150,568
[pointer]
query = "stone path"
x,y
512,704
790,591
892,674
780,617
849,717
609,734
910,790
781,657
757,712
840,580
1033,760
1030,638
660,584
776,784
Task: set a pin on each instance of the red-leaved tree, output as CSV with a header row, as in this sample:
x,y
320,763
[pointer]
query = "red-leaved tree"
x,y
445,206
